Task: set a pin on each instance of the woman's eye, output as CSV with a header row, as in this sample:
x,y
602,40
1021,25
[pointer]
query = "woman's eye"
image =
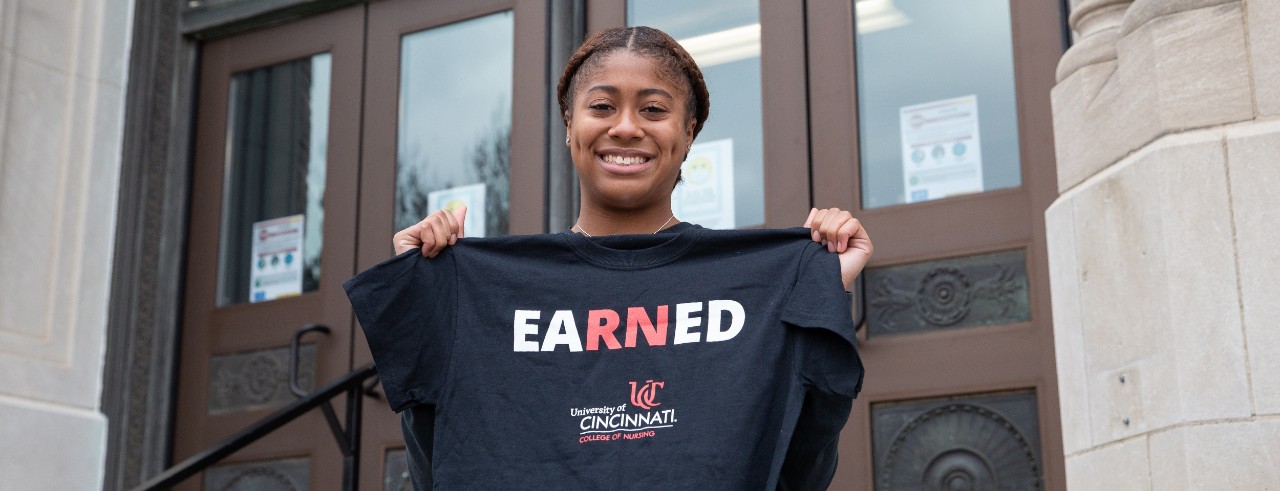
x,y
653,109
600,106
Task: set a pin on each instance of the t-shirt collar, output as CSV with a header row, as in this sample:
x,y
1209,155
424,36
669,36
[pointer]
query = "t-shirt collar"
x,y
635,251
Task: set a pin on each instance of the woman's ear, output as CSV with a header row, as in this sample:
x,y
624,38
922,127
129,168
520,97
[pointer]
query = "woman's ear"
x,y
688,133
568,128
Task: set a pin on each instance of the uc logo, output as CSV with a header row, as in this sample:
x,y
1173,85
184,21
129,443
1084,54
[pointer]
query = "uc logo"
x,y
642,396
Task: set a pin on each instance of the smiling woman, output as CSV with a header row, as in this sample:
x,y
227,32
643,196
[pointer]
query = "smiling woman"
x,y
631,112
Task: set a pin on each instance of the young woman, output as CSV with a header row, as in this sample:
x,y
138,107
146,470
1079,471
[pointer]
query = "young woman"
x,y
633,102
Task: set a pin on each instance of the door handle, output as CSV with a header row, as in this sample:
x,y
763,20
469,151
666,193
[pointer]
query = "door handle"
x,y
294,355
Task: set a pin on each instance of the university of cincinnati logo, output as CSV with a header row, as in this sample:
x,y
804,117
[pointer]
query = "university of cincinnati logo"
x,y
643,397
613,423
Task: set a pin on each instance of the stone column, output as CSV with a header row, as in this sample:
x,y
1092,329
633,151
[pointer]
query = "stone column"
x,y
62,78
1161,244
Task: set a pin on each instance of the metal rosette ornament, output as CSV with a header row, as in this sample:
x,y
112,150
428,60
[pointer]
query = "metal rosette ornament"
x,y
944,297
960,447
261,378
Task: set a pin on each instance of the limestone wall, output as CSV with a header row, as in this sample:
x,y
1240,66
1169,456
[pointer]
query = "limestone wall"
x,y
1162,250
62,79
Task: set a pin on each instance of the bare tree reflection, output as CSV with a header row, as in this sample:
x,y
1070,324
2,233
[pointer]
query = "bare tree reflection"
x,y
490,163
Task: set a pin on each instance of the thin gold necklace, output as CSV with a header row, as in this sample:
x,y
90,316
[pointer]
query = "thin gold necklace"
x,y
588,234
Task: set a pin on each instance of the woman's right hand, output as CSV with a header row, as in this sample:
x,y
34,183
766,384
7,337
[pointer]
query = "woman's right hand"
x,y
435,232
842,233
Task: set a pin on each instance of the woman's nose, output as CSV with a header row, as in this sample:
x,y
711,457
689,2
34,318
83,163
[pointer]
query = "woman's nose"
x,y
626,127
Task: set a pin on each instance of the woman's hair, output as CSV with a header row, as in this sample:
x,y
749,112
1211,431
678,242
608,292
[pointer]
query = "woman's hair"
x,y
646,41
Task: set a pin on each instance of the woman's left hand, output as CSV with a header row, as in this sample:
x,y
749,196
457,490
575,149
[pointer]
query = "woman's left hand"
x,y
842,233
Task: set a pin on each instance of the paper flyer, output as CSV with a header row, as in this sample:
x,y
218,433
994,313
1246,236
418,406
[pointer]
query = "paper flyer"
x,y
472,196
941,149
706,196
276,271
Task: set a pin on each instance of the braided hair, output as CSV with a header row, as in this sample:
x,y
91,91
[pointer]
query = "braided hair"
x,y
675,63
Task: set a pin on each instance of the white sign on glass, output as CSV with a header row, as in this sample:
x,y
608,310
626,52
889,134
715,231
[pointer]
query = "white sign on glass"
x,y
276,271
472,196
706,196
941,149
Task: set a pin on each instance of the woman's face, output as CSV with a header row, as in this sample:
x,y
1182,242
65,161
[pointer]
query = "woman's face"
x,y
629,132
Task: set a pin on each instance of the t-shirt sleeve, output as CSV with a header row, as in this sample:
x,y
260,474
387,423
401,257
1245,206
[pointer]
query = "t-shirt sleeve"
x,y
406,307
827,346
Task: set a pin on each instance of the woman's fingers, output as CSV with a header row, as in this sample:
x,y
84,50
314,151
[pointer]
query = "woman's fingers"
x,y
461,215
818,225
808,223
451,222
846,231
836,219
457,220
435,232
826,226
408,239
440,232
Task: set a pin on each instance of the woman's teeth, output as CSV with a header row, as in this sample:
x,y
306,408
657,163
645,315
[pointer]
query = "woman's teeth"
x,y
620,160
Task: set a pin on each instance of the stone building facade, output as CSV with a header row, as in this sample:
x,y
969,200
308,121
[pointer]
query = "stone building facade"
x,y
1161,244
63,71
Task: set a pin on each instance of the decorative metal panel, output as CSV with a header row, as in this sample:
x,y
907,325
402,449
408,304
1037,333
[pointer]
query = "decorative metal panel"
x,y
281,475
257,379
395,476
948,294
989,442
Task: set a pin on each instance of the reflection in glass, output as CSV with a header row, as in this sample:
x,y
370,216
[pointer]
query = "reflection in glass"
x,y
937,112
277,137
453,143
724,38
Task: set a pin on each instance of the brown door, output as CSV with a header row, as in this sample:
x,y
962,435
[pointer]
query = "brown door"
x,y
316,141
273,206
445,82
931,119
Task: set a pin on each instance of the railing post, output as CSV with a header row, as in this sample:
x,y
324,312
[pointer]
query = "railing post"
x,y
351,462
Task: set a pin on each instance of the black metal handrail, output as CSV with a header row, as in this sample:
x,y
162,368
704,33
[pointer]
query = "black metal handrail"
x,y
348,441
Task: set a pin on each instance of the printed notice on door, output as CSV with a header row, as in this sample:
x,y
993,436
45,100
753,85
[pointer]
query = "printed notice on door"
x,y
472,196
941,149
276,271
706,196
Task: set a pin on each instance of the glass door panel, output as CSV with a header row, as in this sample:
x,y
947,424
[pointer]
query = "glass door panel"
x,y
724,176
273,214
454,135
937,106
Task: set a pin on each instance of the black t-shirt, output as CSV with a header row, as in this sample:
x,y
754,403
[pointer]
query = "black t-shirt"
x,y
677,360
